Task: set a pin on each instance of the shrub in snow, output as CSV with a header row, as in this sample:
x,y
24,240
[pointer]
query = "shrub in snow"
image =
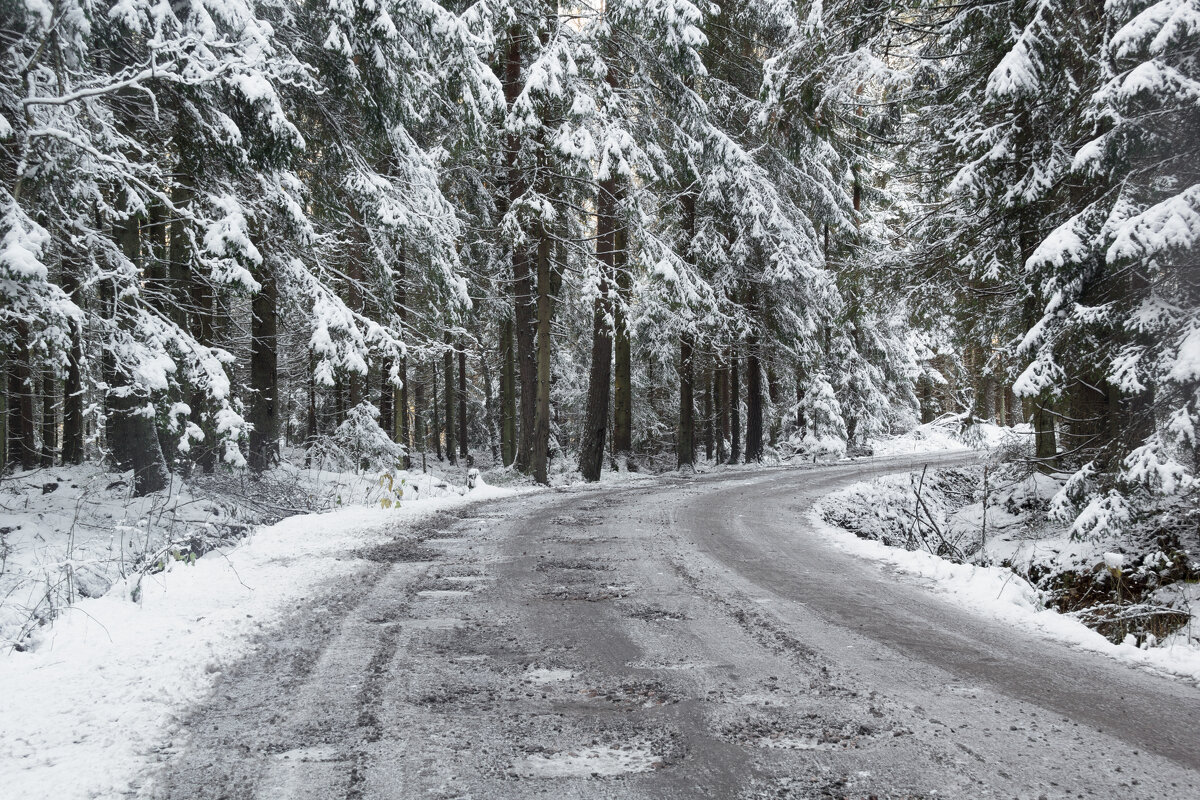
x,y
360,444
822,432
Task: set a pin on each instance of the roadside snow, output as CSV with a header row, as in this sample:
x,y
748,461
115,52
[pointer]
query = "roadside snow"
x,y
102,687
72,532
1000,594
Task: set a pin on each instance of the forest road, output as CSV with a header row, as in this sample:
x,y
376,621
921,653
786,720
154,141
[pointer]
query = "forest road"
x,y
680,638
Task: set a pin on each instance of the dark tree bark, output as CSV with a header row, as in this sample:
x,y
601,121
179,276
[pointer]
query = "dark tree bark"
x,y
264,374
72,434
448,384
436,431
23,446
339,402
773,397
801,422
310,417
133,435
508,394
387,418
541,425
685,439
356,382
420,435
754,403
735,410
523,311
157,288
489,404
595,427
925,387
623,352
49,421
723,411
1045,442
192,291
462,402
5,424
685,444
709,403
402,411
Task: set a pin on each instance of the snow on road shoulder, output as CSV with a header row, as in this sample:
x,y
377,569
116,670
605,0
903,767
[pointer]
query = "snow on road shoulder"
x,y
83,710
1001,594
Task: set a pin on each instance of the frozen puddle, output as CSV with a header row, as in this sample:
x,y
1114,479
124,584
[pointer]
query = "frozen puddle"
x,y
311,754
674,666
443,594
434,623
589,762
544,676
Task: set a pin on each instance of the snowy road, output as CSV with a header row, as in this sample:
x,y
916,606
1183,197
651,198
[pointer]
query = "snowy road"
x,y
690,638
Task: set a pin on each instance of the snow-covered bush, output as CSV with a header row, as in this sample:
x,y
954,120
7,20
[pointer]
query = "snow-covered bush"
x,y
359,444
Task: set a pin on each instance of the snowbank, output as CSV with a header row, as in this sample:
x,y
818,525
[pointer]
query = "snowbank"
x,y
101,687
999,593
73,531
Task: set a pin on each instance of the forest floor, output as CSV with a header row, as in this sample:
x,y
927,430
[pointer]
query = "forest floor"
x,y
701,636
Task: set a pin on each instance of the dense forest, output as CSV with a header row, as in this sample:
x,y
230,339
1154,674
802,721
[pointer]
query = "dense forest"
x,y
596,235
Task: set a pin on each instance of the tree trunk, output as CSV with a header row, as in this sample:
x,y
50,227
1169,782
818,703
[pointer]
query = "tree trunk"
x,y
591,450
310,417
541,425
773,397
623,353
735,410
754,403
133,434
264,374
685,443
23,447
49,421
709,389
926,389
437,423
73,422
462,402
801,422
420,434
448,383
354,300
402,411
508,394
685,438
5,426
193,290
1045,445
723,412
387,419
489,404
523,314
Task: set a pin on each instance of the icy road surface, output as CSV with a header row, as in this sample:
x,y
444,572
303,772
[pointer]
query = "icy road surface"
x,y
686,639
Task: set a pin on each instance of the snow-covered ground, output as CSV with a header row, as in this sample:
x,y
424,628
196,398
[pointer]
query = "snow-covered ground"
x,y
72,532
96,692
952,552
946,434
138,630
